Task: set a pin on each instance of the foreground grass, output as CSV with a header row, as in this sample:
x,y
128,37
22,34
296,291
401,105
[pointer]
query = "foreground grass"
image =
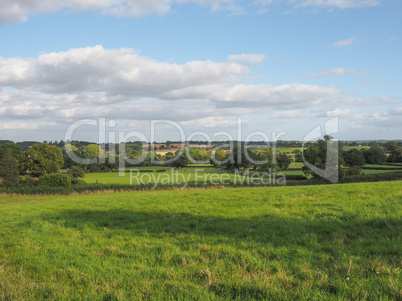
x,y
316,242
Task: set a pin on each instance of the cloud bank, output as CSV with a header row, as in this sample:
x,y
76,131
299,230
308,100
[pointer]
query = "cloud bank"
x,y
56,89
120,80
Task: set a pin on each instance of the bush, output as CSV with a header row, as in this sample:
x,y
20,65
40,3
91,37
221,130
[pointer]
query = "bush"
x,y
9,170
92,168
77,172
28,181
353,171
76,181
55,180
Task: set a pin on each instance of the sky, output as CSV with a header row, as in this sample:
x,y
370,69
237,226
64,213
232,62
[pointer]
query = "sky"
x,y
157,70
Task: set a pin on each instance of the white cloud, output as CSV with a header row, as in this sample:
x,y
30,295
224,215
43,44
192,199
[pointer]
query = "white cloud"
x,y
397,111
345,43
17,126
20,10
250,59
115,72
99,76
211,122
335,3
339,72
287,114
60,88
338,112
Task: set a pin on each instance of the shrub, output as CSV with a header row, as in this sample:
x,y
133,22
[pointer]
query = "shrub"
x,y
92,168
76,181
9,170
77,172
55,180
353,171
28,181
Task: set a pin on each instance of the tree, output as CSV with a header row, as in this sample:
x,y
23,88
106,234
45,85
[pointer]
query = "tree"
x,y
393,149
219,157
354,157
375,155
238,159
168,156
264,161
283,161
181,161
9,170
149,158
325,157
298,156
93,151
69,150
15,150
41,158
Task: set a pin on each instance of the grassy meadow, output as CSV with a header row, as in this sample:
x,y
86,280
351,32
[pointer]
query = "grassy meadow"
x,y
333,242
292,149
152,175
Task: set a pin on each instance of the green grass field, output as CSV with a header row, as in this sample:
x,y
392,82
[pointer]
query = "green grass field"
x,y
183,175
187,174
348,148
291,149
280,149
334,242
374,171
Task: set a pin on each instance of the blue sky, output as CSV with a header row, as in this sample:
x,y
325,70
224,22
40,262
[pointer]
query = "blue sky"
x,y
279,65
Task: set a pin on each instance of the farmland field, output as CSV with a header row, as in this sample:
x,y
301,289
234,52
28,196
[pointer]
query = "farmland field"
x,y
333,242
291,149
190,174
141,175
348,148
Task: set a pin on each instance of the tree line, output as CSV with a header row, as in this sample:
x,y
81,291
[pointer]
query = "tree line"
x,y
43,159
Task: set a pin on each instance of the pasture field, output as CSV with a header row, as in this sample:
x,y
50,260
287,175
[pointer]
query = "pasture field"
x,y
348,148
375,171
332,242
141,175
189,174
281,149
291,149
